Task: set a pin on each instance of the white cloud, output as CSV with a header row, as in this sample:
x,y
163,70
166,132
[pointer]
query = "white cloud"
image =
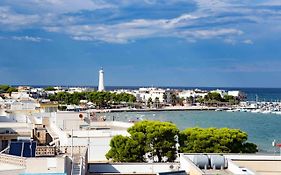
x,y
29,38
210,19
211,33
271,3
12,20
62,6
230,41
248,41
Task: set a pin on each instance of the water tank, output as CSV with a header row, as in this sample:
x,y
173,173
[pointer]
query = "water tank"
x,y
201,161
218,162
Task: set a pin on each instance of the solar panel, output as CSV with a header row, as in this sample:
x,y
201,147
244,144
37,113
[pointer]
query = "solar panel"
x,y
23,148
29,149
15,148
173,173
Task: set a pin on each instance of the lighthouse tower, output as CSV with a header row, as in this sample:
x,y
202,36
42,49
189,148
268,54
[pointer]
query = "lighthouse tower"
x,y
101,82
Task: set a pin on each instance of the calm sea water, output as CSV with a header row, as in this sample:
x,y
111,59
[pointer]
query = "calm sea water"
x,y
262,129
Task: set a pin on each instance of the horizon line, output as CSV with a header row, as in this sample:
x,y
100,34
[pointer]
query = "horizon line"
x,y
160,86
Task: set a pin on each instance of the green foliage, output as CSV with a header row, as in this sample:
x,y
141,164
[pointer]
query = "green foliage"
x,y
216,97
149,102
213,96
165,97
214,140
11,89
49,88
4,87
231,99
174,99
148,138
62,108
125,149
155,139
101,99
7,89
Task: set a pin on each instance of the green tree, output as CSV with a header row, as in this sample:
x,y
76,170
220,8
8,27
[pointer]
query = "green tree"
x,y
101,99
165,97
213,96
174,99
157,102
125,149
154,139
11,89
4,87
214,140
7,89
231,99
149,102
49,88
180,101
190,99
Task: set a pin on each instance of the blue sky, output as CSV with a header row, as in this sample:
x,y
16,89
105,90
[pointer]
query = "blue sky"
x,y
229,43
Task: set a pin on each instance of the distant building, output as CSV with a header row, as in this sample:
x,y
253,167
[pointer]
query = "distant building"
x,y
192,93
237,94
101,80
144,94
20,95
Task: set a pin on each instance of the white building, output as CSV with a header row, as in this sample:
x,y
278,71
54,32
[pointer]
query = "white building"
x,y
143,94
192,93
77,89
24,105
75,128
235,93
20,95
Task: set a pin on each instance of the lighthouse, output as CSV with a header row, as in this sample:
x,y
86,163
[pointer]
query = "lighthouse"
x,y
101,82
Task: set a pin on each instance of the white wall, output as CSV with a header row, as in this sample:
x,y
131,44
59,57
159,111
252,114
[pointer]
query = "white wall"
x,y
46,165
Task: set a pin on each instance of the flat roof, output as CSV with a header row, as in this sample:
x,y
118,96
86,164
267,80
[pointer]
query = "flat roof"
x,y
6,167
264,167
14,125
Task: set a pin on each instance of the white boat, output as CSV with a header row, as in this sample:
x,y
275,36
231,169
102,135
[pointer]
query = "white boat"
x,y
278,112
231,110
218,109
256,111
266,112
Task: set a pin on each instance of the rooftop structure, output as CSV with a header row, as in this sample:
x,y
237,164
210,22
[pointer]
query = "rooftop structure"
x,y
198,164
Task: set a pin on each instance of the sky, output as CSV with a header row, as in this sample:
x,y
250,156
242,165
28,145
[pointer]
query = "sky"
x,y
213,43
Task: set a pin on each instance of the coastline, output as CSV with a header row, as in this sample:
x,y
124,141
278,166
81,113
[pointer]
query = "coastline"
x,y
174,108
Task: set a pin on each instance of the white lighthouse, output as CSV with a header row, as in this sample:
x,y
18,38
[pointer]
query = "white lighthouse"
x,y
101,82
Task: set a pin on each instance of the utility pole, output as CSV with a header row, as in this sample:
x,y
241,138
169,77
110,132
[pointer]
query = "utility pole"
x,y
72,143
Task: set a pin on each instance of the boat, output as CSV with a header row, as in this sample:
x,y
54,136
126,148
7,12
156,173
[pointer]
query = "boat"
x,y
218,109
266,112
231,110
256,111
278,112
